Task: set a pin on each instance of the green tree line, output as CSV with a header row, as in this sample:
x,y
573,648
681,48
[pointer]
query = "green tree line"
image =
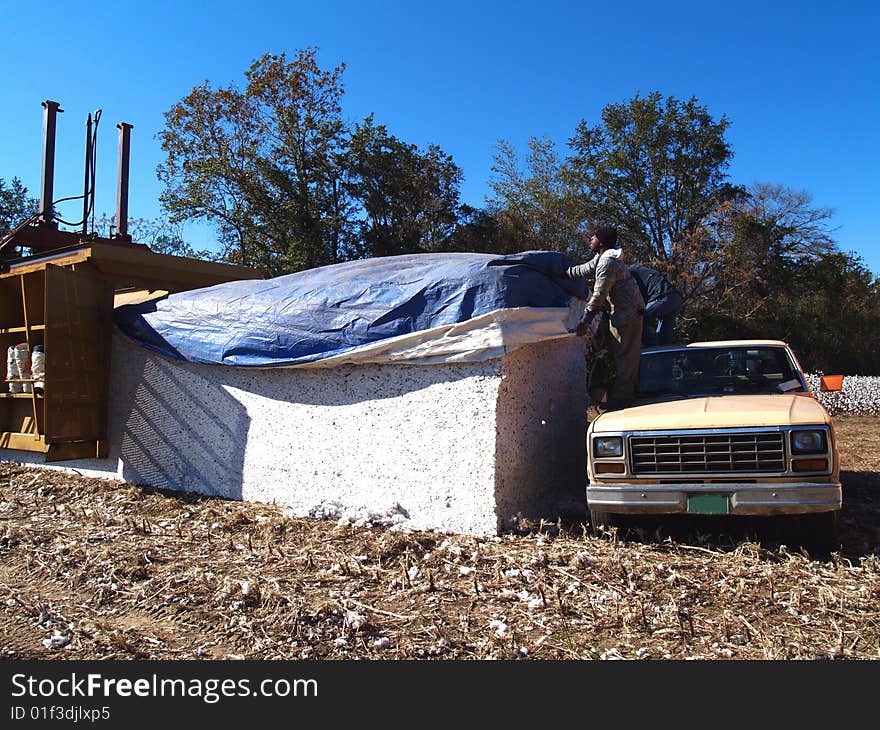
x,y
288,184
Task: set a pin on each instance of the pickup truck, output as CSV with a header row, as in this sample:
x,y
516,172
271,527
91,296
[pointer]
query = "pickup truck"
x,y
718,428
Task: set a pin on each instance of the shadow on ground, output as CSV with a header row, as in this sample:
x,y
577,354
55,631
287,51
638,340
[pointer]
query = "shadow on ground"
x,y
860,516
858,526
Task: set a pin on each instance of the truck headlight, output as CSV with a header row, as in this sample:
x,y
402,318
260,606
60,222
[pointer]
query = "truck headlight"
x,y
604,446
808,442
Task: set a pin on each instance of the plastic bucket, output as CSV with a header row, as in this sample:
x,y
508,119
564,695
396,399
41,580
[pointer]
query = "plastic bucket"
x,y
831,383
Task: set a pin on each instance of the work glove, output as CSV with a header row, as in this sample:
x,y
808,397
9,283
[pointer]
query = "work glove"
x,y
583,327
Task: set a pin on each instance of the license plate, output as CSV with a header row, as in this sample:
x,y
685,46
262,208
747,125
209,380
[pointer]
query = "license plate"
x,y
708,504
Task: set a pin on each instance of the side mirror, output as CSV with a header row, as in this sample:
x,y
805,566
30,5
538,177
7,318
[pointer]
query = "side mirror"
x,y
831,383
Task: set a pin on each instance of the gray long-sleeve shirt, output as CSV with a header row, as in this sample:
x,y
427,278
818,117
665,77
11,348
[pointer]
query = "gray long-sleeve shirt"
x,y
613,282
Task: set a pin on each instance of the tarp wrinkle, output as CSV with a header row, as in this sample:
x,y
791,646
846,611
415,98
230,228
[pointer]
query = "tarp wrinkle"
x,y
420,308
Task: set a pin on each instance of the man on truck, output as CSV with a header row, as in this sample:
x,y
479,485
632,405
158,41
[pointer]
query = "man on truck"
x,y
662,302
614,283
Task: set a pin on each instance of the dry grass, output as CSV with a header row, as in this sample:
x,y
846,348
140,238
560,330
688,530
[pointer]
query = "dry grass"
x,y
124,572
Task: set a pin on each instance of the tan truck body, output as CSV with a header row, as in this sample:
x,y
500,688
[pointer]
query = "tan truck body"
x,y
731,453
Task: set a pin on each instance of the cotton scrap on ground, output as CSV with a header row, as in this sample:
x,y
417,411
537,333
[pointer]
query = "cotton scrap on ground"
x,y
100,570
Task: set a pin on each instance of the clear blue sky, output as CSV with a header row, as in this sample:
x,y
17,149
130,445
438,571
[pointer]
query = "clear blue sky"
x,y
799,81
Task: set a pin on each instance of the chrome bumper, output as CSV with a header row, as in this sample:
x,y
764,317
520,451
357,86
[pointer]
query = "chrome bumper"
x,y
744,499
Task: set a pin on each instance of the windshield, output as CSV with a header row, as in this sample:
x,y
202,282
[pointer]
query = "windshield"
x,y
717,371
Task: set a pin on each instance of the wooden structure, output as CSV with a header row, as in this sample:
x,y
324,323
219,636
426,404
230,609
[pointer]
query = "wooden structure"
x,y
63,299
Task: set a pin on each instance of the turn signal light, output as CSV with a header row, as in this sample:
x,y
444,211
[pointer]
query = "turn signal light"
x,y
602,468
809,464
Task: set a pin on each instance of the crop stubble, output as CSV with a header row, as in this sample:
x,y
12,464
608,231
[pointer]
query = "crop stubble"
x,y
117,571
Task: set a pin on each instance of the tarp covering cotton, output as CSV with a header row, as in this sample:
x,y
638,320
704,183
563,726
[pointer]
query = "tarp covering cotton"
x,y
420,308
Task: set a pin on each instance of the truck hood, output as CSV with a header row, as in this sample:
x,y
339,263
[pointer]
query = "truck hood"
x,y
729,411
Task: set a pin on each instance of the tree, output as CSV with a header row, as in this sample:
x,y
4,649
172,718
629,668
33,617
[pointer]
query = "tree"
x,y
782,277
16,208
158,234
15,205
828,311
654,167
265,165
478,230
535,207
752,248
409,197
775,227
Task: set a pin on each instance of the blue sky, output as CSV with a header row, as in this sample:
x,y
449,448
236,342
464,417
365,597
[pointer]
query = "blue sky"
x,y
799,81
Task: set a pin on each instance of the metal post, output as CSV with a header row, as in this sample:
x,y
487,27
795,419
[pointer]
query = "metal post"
x,y
87,180
122,180
50,111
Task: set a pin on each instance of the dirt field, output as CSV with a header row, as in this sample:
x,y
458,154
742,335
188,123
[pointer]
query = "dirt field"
x,y
91,569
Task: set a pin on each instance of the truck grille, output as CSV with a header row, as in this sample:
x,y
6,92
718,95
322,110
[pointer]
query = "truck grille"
x,y
709,454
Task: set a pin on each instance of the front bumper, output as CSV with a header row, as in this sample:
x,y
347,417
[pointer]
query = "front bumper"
x,y
780,498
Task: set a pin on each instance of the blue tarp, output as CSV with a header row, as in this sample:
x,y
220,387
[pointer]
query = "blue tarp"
x,y
312,315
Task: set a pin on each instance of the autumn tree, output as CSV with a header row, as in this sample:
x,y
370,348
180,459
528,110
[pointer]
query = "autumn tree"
x,y
775,227
264,164
755,245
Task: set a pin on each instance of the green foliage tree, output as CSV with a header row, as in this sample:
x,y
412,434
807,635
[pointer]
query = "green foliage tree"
x,y
829,312
16,208
534,205
654,167
264,164
409,197
15,204
478,230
